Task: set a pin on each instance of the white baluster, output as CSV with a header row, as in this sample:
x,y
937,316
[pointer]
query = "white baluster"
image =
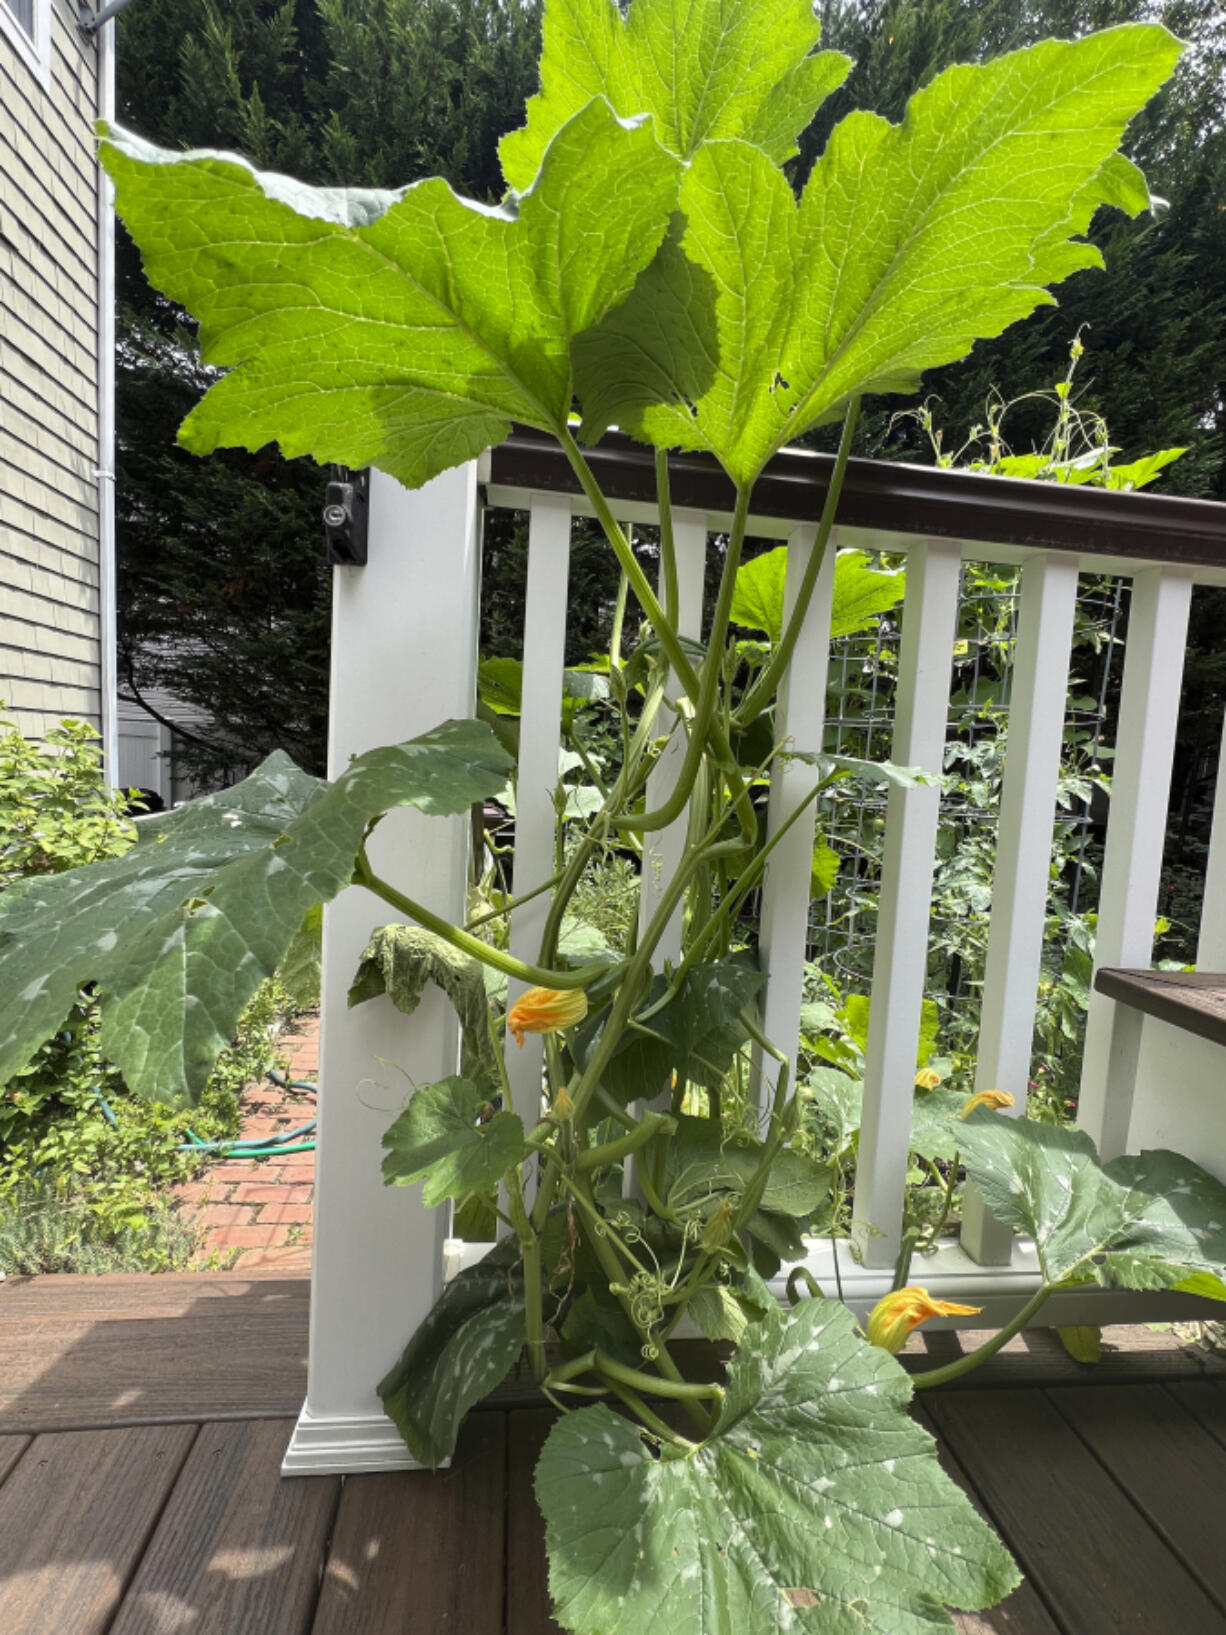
x,y
900,963
1136,830
800,717
539,742
1211,943
410,613
1037,705
662,848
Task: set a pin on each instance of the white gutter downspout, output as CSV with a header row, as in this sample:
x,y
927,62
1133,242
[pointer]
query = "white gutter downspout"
x,y
106,421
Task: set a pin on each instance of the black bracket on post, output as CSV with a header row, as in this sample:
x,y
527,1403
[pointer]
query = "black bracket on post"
x,y
346,516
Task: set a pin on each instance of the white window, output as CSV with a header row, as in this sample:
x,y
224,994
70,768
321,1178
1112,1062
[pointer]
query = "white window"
x,y
27,25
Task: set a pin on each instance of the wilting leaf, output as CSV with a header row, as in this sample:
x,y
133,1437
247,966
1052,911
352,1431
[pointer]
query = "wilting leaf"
x,y
743,70
438,1139
815,1504
180,931
898,258
399,960
1150,1221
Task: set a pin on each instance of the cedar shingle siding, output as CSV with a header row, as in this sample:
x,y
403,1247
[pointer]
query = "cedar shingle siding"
x,y
49,611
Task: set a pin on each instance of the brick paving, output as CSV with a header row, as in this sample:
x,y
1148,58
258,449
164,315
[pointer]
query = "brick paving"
x,y
256,1212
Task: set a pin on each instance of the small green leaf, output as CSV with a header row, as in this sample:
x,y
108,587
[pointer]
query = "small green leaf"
x,y
703,1162
860,593
181,930
465,1347
1154,1220
747,70
815,1504
844,768
399,960
824,869
438,1139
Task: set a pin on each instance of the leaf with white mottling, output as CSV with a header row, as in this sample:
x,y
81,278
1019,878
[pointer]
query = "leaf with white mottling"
x,y
180,931
463,1350
1153,1220
816,1504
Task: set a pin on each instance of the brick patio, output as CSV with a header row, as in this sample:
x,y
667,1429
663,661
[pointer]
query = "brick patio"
x,y
257,1212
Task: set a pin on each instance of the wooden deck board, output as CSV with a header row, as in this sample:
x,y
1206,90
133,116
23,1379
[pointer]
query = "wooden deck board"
x,y
75,1517
529,1610
80,1352
237,1548
1022,1612
1160,1455
1107,1482
421,1553
1088,1550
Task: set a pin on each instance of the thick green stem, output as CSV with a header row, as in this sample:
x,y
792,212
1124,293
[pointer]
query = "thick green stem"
x,y
364,875
763,689
705,710
954,1370
611,1152
668,549
667,634
530,1249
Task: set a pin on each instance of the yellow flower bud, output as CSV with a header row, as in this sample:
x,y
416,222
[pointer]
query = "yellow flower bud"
x,y
897,1313
563,1106
927,1079
545,1010
995,1099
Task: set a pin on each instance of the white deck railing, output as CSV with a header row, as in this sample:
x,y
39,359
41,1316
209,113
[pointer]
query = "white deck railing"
x,y
404,658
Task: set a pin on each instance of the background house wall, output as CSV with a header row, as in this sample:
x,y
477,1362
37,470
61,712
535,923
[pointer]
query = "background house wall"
x,y
50,614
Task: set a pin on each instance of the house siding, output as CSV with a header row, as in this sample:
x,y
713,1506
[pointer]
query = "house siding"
x,y
50,657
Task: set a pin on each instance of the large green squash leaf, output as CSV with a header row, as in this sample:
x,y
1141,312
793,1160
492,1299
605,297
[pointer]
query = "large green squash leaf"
x,y
437,1139
910,243
704,1165
860,593
401,330
180,931
464,1348
1154,1220
704,69
816,1504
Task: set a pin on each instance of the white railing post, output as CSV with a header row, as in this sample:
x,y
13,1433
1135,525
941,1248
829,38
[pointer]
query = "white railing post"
x,y
662,848
1136,831
901,963
800,719
403,660
540,726
1037,705
1211,941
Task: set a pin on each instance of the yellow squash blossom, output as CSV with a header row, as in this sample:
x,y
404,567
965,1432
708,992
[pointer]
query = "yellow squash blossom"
x,y
545,1010
896,1314
995,1099
927,1078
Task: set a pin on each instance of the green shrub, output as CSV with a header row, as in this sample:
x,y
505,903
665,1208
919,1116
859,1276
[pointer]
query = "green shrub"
x,y
82,1160
50,1228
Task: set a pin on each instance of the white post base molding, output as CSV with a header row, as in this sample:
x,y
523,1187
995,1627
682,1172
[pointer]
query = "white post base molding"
x,y
340,1444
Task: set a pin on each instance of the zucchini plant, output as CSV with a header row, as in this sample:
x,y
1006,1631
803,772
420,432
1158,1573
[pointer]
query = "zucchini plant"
x,y
649,266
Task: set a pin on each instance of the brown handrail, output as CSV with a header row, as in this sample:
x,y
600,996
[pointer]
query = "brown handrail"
x,y
895,499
